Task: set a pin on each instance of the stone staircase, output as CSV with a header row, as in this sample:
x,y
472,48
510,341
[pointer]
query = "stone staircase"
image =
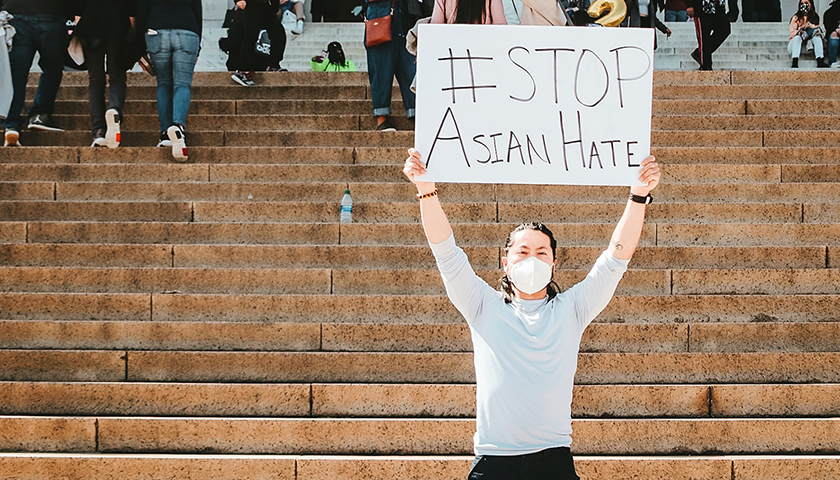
x,y
751,46
214,320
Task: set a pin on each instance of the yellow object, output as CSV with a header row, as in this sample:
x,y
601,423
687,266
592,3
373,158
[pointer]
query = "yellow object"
x,y
608,13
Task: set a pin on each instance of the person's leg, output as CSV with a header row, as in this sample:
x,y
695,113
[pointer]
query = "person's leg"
x,y
487,467
833,44
670,16
51,41
95,61
160,51
20,61
405,71
252,20
298,10
277,34
795,46
115,50
702,54
720,31
381,76
682,15
184,52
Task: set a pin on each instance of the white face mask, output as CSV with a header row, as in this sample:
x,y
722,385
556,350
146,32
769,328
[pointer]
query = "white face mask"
x,y
530,275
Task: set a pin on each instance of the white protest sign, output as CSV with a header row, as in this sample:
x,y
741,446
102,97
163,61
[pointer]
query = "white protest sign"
x,y
533,105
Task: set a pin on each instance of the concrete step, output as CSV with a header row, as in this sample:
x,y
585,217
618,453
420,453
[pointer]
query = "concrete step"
x,y
354,367
405,400
391,309
405,212
297,79
385,234
354,174
348,400
263,467
265,122
404,138
385,155
225,336
329,191
414,436
387,257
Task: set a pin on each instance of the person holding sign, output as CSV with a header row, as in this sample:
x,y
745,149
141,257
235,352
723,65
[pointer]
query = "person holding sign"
x,y
526,335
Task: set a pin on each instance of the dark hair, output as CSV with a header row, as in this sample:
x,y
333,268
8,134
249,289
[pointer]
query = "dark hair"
x,y
471,12
336,54
811,15
505,284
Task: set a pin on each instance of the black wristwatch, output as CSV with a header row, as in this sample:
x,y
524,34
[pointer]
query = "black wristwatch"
x,y
646,200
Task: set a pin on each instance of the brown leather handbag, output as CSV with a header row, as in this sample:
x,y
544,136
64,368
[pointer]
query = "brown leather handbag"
x,y
378,30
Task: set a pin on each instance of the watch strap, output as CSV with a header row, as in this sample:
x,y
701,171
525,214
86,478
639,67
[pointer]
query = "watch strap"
x,y
645,200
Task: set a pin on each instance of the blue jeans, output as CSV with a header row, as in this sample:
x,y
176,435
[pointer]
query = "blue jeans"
x,y
47,35
173,52
676,16
833,44
385,61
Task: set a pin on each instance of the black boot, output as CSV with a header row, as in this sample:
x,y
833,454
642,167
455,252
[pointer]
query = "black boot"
x,y
821,63
794,63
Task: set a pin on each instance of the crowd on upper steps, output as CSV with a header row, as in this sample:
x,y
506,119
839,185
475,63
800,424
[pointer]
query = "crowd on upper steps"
x,y
108,37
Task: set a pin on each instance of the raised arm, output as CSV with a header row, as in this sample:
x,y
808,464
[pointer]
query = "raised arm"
x,y
435,223
625,239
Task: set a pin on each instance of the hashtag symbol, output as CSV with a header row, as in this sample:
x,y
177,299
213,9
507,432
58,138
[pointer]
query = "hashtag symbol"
x,y
472,86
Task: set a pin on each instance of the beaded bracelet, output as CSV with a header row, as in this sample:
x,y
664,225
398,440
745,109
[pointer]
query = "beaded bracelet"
x,y
427,195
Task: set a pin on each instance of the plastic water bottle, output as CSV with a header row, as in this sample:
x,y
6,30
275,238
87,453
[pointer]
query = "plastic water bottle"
x,y
346,208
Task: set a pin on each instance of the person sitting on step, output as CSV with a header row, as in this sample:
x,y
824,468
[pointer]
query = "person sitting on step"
x,y
294,9
831,20
805,26
332,60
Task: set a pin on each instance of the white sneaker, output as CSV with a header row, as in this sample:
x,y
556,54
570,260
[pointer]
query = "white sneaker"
x,y
835,65
179,143
12,138
298,28
112,134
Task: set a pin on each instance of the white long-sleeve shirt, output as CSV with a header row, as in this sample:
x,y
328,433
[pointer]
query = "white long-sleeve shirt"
x,y
525,355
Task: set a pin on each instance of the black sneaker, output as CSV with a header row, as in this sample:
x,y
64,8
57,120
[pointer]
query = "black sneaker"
x,y
243,78
794,63
43,121
164,140
386,126
99,139
821,63
696,56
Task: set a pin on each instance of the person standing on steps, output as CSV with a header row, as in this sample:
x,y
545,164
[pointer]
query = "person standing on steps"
x,y
173,39
712,27
390,59
526,335
106,28
39,27
257,15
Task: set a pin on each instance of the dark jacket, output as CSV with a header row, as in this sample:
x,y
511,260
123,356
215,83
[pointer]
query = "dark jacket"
x,y
718,6
23,7
831,17
169,15
104,18
633,18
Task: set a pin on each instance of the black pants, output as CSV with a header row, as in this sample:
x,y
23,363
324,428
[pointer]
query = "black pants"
x,y
259,16
712,30
115,52
550,464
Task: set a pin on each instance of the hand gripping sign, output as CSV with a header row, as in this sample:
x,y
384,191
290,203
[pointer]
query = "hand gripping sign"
x,y
533,105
